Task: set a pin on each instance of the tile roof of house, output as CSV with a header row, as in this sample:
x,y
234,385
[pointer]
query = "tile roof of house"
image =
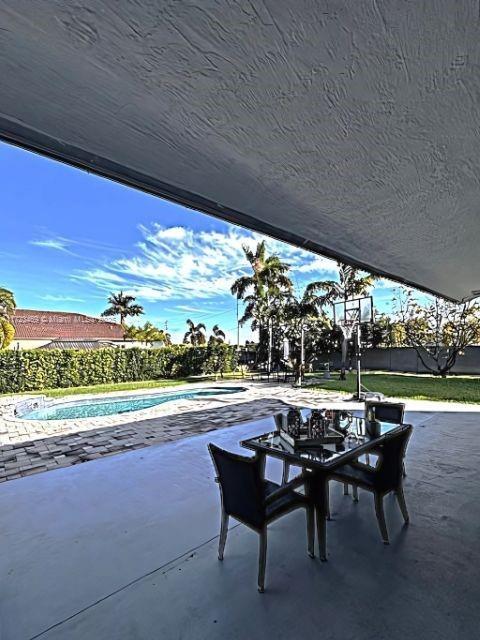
x,y
61,325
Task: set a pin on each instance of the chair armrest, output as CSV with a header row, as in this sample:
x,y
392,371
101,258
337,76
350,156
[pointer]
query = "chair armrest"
x,y
363,466
286,488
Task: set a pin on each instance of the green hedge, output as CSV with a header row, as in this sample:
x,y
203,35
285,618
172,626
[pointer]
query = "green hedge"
x,y
34,370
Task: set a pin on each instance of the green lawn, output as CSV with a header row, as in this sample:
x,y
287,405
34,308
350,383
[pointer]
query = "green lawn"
x,y
126,386
421,387
105,388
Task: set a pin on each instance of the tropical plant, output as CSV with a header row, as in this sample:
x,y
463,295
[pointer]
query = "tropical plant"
x,y
195,335
352,283
437,329
133,333
122,305
7,333
262,291
218,336
7,309
149,334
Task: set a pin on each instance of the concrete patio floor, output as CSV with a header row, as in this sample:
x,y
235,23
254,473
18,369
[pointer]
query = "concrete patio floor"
x,y
125,548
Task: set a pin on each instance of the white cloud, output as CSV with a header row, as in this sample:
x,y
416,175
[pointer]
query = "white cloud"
x,y
53,298
59,244
318,264
180,263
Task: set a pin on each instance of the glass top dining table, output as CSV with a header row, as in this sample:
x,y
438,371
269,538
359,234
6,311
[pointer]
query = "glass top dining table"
x,y
355,437
355,429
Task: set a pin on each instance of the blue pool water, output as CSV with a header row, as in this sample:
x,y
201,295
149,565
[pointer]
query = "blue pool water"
x,y
121,404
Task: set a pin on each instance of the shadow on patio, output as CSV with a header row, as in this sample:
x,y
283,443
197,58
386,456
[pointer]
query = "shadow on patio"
x,y
125,548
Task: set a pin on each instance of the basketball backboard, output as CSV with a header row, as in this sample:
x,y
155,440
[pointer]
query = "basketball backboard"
x,y
353,312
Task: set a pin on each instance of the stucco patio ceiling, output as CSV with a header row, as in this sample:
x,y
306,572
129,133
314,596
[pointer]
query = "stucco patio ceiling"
x,y
348,128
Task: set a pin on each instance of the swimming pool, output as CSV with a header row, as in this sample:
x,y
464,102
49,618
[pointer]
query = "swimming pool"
x,y
121,404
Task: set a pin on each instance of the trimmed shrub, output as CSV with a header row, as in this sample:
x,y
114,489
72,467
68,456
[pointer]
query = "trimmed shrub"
x,y
37,369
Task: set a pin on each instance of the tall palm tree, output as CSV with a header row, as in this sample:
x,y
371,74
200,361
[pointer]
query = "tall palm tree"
x,y
7,309
121,305
260,290
304,321
195,334
218,336
351,284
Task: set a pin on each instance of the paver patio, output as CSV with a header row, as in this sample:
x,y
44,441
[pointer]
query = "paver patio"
x,y
28,447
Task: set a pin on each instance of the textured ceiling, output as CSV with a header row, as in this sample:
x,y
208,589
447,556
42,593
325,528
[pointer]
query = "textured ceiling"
x,y
351,128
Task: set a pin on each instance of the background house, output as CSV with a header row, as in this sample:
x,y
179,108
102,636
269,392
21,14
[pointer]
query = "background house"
x,y
59,329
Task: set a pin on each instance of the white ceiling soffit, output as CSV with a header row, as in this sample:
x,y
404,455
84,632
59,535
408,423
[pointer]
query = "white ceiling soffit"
x,y
348,128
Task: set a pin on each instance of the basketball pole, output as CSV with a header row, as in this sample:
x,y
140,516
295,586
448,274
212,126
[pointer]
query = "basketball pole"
x,y
359,361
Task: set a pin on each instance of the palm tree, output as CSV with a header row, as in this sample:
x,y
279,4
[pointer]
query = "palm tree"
x,y
218,336
261,290
304,320
148,334
7,309
133,333
350,285
122,305
195,334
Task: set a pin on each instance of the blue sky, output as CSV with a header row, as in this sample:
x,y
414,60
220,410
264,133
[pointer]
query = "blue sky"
x,y
68,238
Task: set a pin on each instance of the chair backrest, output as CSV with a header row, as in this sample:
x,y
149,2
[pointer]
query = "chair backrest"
x,y
390,469
386,411
241,484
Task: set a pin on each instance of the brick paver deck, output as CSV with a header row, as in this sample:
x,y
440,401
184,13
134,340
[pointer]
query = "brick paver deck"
x,y
29,447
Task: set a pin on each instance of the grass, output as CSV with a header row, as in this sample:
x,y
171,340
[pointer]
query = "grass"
x,y
418,387
124,386
105,388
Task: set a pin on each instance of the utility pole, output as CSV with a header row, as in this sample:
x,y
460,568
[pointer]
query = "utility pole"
x,y
302,353
270,336
359,359
238,329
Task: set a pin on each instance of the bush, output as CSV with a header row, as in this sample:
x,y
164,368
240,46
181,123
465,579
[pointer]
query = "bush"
x,y
34,370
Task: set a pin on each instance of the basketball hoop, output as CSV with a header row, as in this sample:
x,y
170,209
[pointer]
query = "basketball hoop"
x,y
349,315
346,327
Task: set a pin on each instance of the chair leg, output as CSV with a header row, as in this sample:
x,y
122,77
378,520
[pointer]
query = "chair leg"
x,y
355,492
286,472
262,560
223,535
367,458
382,524
311,531
402,504
345,489
322,535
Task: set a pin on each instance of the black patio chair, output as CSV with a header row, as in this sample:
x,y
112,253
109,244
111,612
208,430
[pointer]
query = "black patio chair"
x,y
386,477
392,412
386,411
256,502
